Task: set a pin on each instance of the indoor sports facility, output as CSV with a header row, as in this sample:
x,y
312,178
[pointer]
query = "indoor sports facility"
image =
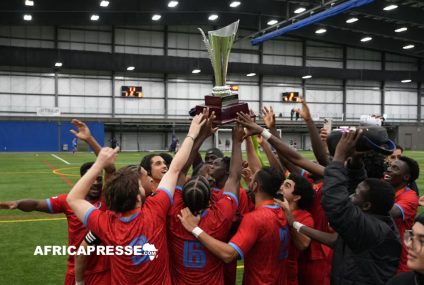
x,y
137,74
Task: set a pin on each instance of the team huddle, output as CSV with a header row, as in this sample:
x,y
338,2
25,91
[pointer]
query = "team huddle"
x,y
347,218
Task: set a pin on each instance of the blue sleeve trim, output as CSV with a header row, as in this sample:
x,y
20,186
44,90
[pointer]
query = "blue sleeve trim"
x,y
240,252
49,205
302,172
402,211
233,196
171,198
87,214
179,188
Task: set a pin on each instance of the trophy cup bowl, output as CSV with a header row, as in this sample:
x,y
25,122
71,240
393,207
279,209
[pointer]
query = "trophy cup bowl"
x,y
223,101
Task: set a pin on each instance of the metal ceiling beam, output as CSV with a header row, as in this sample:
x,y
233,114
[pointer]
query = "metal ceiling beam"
x,y
86,60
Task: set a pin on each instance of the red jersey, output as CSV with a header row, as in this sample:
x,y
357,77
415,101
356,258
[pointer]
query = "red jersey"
x,y
262,240
305,218
407,202
76,233
191,262
146,228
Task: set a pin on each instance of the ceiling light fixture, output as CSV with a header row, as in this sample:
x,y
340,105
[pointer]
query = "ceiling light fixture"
x,y
94,17
366,39
320,31
58,64
130,68
235,4
299,10
156,17
272,22
196,70
408,46
104,3
27,17
390,7
406,81
400,30
213,17
29,3
307,77
352,20
172,4
251,74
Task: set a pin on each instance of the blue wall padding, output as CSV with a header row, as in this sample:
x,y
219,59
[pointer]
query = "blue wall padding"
x,y
41,136
333,11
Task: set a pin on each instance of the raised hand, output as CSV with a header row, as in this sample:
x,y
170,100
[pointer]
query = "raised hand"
x,y
238,133
8,205
323,134
268,116
83,131
286,207
208,129
421,201
251,128
304,112
196,125
347,144
246,173
188,220
107,156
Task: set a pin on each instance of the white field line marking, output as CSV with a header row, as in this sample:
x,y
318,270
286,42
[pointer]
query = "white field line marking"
x,y
55,156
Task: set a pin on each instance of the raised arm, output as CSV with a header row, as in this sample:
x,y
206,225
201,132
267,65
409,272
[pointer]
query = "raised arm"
x,y
232,184
319,149
293,156
273,161
76,198
252,157
26,205
169,180
84,134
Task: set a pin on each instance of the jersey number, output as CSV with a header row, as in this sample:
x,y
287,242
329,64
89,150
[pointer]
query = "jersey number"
x,y
194,256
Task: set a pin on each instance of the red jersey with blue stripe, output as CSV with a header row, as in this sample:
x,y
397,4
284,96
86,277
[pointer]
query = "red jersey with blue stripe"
x,y
407,202
76,233
191,262
146,227
262,239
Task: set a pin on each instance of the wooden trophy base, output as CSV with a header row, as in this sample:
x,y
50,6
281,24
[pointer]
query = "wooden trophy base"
x,y
225,108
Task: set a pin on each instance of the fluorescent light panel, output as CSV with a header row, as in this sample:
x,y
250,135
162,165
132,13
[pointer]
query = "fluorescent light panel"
x,y
352,20
299,10
94,17
235,4
29,3
406,81
307,77
58,64
272,22
196,70
366,39
130,68
251,74
27,17
390,7
104,3
156,17
400,30
320,31
408,46
172,4
213,17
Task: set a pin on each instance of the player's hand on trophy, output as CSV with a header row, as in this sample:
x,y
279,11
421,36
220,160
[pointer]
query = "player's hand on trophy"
x,y
196,125
251,128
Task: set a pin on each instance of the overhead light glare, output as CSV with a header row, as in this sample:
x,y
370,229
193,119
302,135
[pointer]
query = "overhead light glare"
x,y
94,17
27,17
130,68
251,74
320,31
172,4
156,17
213,17
400,30
408,46
58,64
196,70
406,81
352,20
29,3
272,22
235,4
366,39
307,76
299,10
390,7
104,3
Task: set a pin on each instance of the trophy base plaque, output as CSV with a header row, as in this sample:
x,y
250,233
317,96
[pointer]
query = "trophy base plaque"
x,y
225,108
